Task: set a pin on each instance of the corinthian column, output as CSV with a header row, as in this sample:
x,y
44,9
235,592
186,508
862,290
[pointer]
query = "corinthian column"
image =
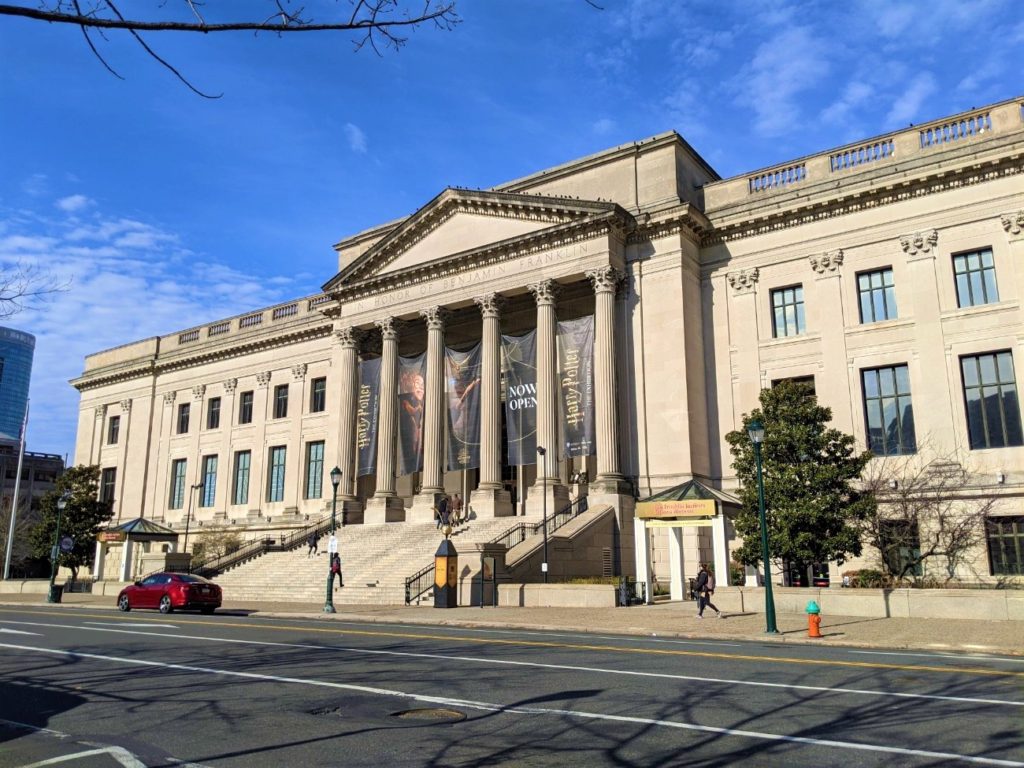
x,y
348,340
433,417
386,506
490,498
605,281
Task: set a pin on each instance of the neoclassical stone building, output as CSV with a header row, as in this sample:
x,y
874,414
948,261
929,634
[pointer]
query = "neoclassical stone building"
x,y
889,273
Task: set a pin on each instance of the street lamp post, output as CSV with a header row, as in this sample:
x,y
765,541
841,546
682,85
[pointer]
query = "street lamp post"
x,y
544,483
188,514
62,503
335,481
756,431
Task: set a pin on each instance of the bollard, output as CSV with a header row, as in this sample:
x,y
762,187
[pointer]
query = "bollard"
x,y
813,620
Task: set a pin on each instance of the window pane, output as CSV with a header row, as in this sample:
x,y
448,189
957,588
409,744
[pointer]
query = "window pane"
x,y
1004,363
963,291
887,380
241,495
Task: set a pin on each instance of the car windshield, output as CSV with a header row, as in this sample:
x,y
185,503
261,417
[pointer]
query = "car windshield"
x,y
188,578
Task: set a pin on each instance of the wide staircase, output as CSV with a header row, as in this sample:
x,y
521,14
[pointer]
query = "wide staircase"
x,y
376,561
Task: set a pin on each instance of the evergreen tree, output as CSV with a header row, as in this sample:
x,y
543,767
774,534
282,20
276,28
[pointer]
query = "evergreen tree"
x,y
809,471
82,519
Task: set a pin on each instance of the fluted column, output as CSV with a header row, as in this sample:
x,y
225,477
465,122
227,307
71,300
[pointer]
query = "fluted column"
x,y
605,281
490,392
545,294
433,414
386,506
348,340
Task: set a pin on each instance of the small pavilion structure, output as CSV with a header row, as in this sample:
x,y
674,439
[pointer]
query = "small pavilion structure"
x,y
692,504
134,539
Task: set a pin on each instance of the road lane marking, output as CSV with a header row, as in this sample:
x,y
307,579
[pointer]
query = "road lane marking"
x,y
16,632
505,709
972,657
121,624
120,754
561,667
598,648
36,728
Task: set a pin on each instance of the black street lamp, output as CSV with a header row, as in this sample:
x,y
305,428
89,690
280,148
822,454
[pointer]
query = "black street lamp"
x,y
188,514
335,481
544,482
756,431
62,503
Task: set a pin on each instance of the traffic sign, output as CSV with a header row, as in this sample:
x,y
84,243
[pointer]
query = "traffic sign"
x,y
332,545
67,544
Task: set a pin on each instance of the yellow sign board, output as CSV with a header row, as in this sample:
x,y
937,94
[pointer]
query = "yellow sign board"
x,y
662,510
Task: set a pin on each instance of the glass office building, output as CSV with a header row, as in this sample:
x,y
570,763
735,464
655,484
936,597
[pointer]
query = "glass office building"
x,y
16,350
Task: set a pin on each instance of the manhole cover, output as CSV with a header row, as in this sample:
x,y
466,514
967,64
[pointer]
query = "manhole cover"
x,y
431,713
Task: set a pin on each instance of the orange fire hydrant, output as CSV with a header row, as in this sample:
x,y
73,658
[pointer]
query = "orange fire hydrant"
x,y
813,620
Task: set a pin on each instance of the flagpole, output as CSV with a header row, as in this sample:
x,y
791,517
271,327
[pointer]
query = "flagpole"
x,y
14,501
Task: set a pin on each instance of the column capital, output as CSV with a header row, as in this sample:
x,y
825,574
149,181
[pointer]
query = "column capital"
x,y
605,279
436,317
299,371
100,411
490,304
126,406
168,397
1013,223
919,242
198,391
263,379
545,292
348,337
230,385
388,328
744,280
828,262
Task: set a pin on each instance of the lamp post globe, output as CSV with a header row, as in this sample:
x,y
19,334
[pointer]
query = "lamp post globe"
x,y
542,464
335,482
755,430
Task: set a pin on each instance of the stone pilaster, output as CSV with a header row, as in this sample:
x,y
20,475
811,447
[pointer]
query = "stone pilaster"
x,y
832,373
490,499
386,506
604,281
433,417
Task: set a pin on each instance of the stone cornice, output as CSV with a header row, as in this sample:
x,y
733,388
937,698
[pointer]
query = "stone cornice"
x,y
805,207
684,220
196,357
616,222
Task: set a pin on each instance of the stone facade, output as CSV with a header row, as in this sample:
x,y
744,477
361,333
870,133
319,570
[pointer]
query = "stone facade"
x,y
683,273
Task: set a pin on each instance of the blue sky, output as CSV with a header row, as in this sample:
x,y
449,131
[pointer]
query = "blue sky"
x,y
165,210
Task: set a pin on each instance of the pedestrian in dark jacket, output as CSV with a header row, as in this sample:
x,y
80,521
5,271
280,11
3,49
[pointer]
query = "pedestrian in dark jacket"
x,y
313,543
336,570
705,587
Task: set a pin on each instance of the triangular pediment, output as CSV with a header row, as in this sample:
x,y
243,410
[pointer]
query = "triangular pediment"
x,y
459,221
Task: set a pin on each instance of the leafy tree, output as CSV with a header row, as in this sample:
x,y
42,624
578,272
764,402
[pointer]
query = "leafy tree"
x,y
215,544
82,519
814,508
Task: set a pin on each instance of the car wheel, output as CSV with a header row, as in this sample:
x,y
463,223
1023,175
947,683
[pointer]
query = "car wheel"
x,y
165,604
123,604
207,609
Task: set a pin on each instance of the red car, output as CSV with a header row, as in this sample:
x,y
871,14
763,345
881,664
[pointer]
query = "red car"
x,y
167,591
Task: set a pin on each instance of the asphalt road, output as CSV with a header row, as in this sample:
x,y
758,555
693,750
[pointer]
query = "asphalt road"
x,y
91,689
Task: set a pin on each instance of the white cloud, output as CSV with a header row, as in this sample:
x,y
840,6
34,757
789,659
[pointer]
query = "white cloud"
x,y
128,280
356,138
35,185
854,95
793,61
603,126
907,106
73,203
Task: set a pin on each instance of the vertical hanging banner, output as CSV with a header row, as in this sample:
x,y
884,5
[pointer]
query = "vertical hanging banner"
x,y
463,388
412,373
366,416
576,385
519,362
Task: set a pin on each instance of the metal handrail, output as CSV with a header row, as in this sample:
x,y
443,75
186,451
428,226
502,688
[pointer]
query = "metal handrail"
x,y
415,582
212,566
298,538
520,532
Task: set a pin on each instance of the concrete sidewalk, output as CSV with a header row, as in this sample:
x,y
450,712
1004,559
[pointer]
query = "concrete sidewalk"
x,y
661,620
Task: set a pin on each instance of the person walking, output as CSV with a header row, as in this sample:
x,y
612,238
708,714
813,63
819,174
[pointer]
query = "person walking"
x,y
705,587
441,510
336,570
314,544
456,509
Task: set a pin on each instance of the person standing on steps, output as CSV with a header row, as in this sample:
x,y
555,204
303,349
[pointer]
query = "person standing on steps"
x,y
442,510
313,543
705,587
336,570
456,509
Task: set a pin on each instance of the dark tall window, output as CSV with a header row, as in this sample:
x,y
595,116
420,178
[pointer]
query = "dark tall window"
x,y
888,412
107,485
240,493
318,395
877,296
1005,545
245,408
990,391
177,499
183,411
280,401
314,470
788,312
975,275
113,428
213,413
275,474
209,481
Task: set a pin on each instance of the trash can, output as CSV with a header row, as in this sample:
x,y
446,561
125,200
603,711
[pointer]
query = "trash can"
x,y
55,594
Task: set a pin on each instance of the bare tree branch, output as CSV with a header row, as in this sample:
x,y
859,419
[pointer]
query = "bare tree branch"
x,y
23,284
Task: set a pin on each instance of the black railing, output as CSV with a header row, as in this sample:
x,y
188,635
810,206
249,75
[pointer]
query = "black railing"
x,y
299,537
419,583
520,532
211,566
